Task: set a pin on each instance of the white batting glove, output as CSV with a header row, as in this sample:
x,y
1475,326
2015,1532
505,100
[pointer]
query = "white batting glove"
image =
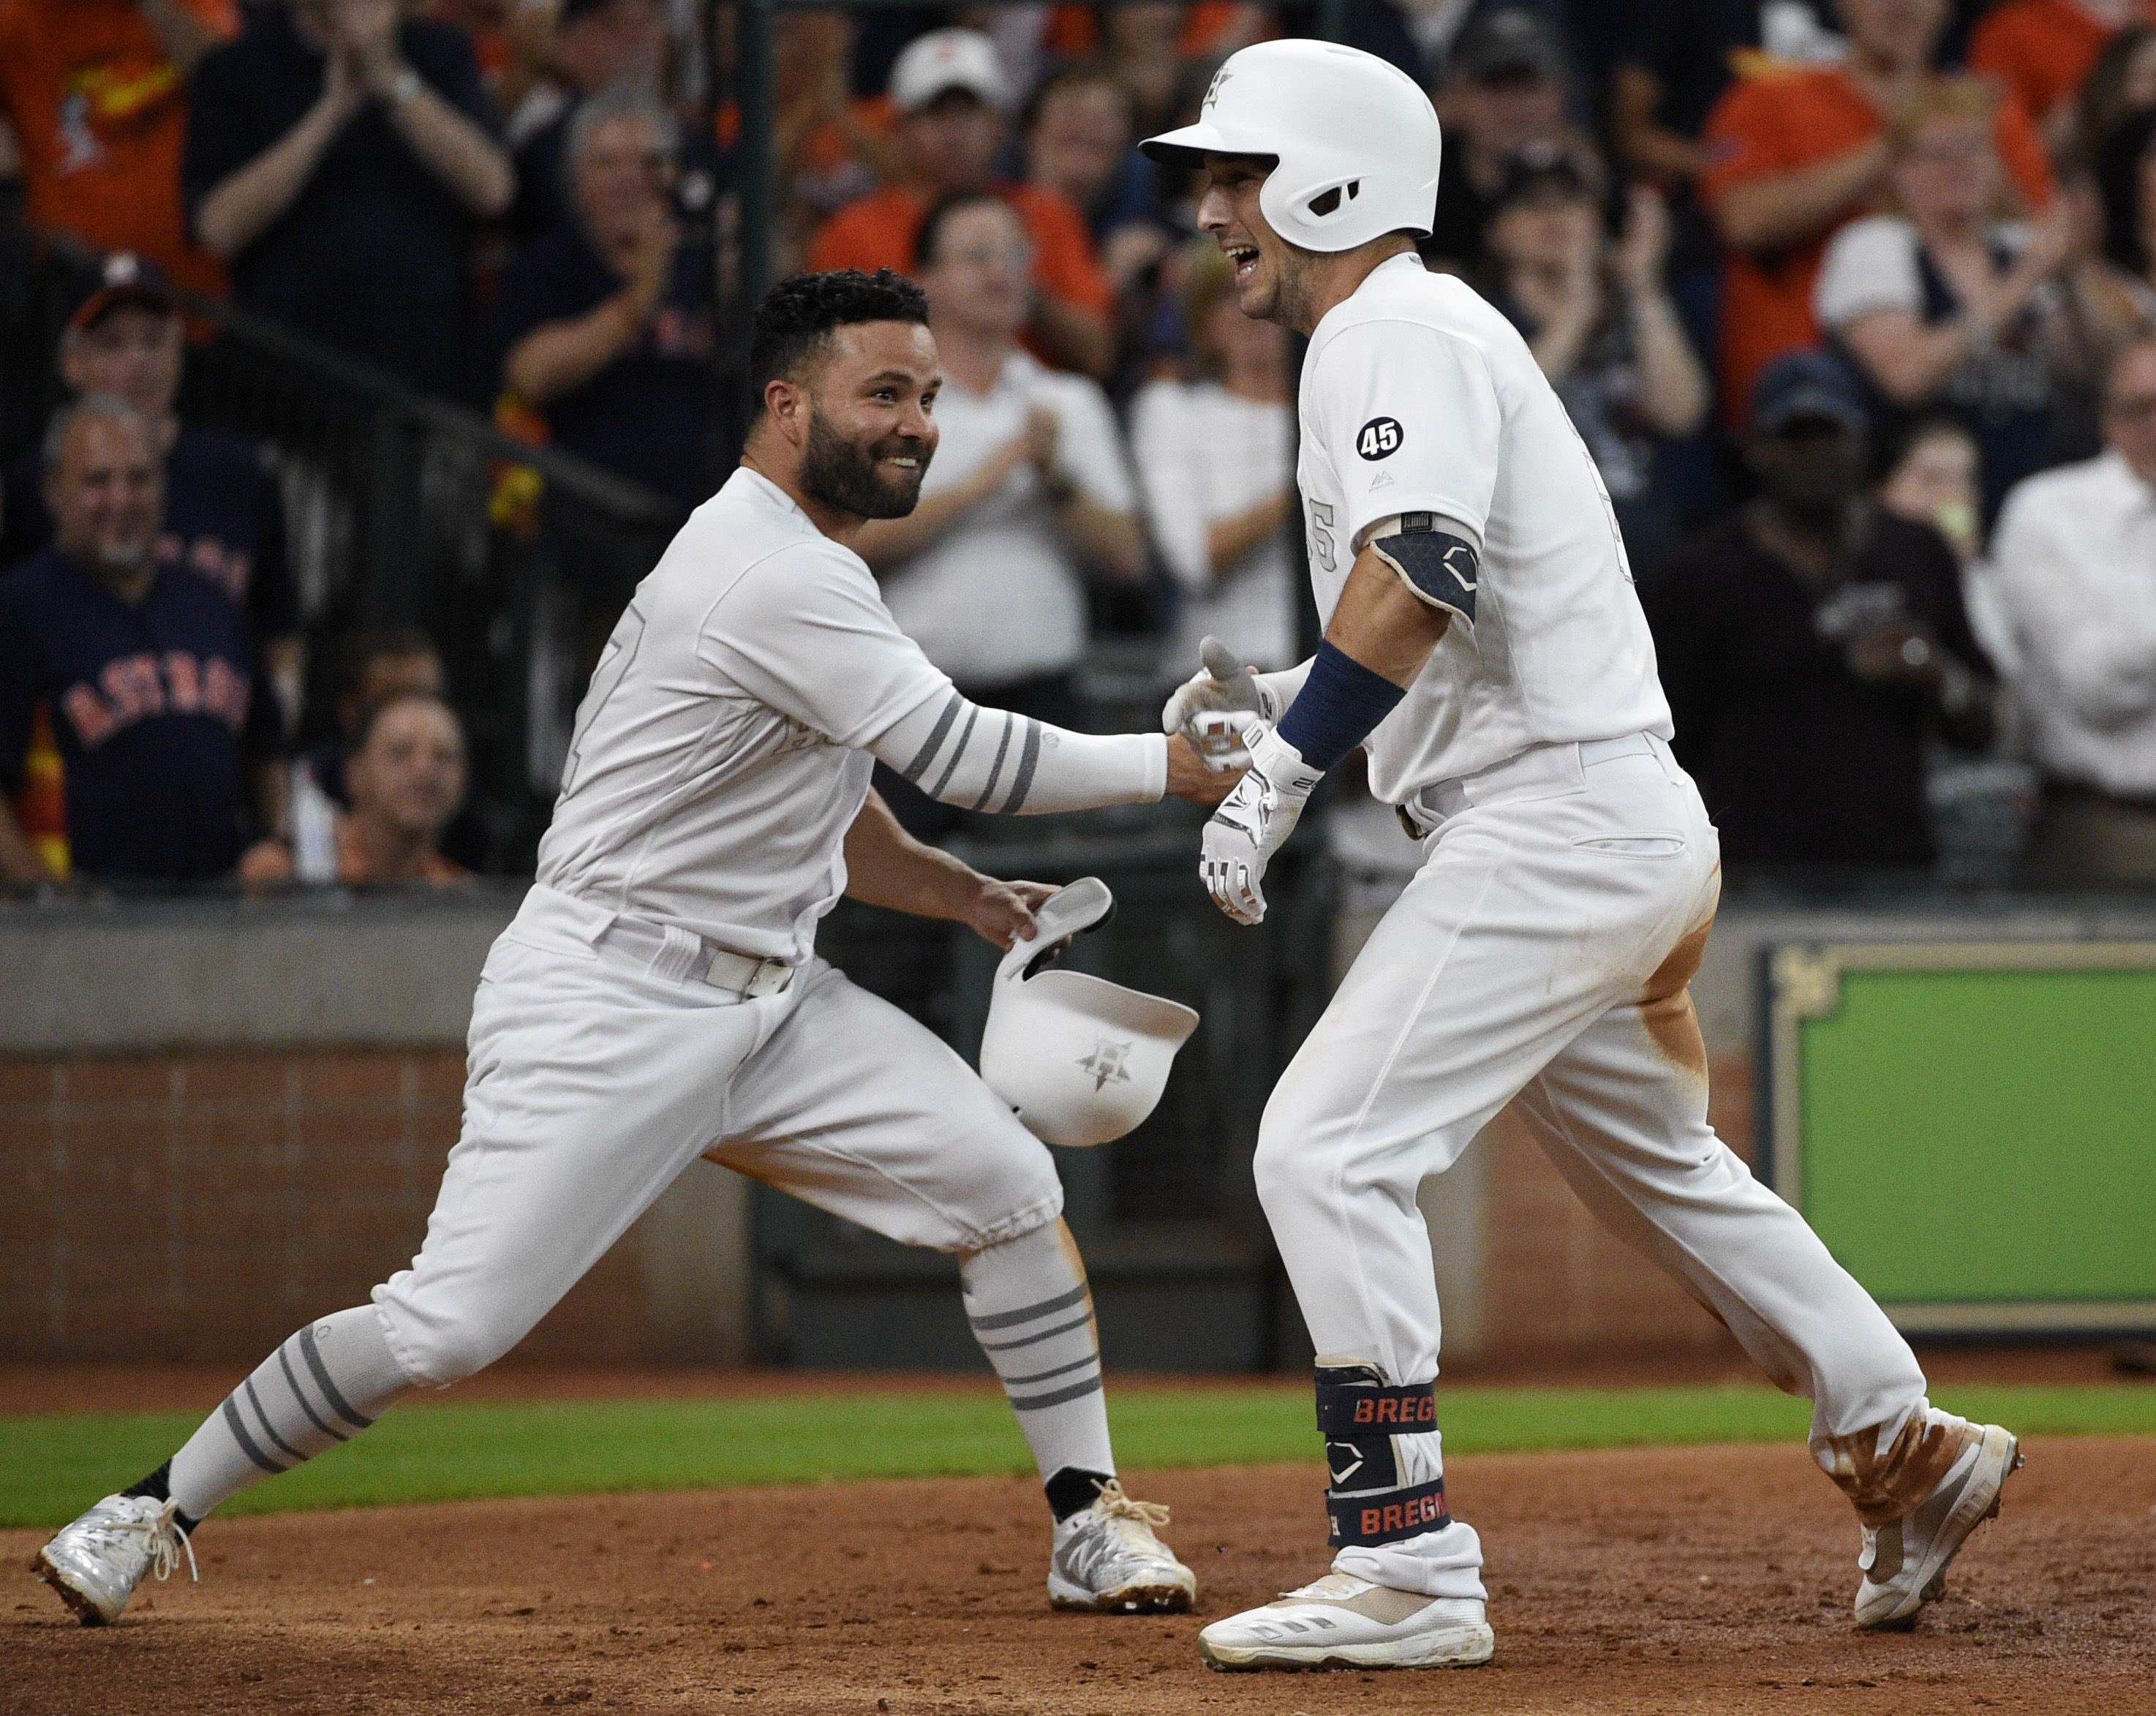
x,y
1253,823
1213,707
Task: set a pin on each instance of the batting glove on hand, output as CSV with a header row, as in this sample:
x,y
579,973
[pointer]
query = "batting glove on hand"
x,y
1213,707
1254,821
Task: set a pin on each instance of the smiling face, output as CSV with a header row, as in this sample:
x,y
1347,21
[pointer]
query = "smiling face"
x,y
980,278
622,177
864,412
409,775
105,493
1272,275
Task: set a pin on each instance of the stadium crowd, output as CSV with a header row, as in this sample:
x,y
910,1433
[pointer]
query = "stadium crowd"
x,y
1852,301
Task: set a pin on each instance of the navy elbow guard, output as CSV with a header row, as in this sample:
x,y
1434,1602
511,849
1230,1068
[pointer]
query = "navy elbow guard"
x,y
1438,566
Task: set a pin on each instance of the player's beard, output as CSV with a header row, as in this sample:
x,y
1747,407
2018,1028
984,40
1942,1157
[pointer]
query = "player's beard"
x,y
1293,298
849,476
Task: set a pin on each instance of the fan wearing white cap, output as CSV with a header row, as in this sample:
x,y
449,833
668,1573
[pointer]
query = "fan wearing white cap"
x,y
1484,645
950,95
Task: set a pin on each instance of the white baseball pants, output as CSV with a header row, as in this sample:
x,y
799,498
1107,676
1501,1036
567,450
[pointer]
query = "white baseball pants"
x,y
1541,953
592,1083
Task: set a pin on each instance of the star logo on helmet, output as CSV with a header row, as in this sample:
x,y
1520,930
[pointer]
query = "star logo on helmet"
x,y
1105,1063
1213,89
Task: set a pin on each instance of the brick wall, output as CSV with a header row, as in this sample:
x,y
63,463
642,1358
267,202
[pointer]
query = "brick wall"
x,y
201,1205
1556,1283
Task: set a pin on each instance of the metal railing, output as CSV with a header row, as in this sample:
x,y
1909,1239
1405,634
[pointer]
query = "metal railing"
x,y
403,510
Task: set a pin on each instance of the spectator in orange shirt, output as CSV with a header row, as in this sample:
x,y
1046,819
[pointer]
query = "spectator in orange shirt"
x,y
1797,154
95,92
2043,50
948,90
406,778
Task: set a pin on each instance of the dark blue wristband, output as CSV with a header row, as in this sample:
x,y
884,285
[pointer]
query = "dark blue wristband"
x,y
1339,704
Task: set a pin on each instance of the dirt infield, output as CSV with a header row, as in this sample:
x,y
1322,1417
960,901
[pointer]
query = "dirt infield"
x,y
1702,1580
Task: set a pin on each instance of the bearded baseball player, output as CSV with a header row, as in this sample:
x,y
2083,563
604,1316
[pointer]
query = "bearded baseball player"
x,y
1484,644
658,996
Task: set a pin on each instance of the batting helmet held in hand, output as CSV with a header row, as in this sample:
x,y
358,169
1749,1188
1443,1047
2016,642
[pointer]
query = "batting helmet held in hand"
x,y
1354,141
1081,1061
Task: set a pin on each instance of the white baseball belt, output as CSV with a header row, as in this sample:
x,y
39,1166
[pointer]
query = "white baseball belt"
x,y
1440,801
669,951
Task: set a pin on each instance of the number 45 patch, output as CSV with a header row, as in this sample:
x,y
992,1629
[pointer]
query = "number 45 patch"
x,y
1380,438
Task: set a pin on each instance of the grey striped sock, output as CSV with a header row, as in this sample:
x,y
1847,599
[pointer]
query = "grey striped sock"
x,y
326,1384
1033,1314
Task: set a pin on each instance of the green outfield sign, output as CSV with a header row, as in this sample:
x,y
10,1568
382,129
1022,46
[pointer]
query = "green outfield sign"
x,y
1971,1128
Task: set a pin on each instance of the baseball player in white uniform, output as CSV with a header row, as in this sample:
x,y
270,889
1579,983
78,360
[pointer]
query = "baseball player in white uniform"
x,y
658,997
1484,645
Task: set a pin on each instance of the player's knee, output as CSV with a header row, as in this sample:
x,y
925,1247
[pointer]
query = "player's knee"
x,y
438,1349
1284,1165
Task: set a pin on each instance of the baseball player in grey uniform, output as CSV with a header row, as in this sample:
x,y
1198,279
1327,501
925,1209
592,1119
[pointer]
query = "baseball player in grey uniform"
x,y
658,997
1484,646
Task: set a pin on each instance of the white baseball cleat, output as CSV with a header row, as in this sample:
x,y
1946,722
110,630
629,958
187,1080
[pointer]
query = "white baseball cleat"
x,y
1107,1560
1341,1622
96,1562
1904,1561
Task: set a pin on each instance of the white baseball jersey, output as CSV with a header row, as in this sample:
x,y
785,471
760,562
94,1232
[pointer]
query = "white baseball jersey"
x,y
1419,397
717,763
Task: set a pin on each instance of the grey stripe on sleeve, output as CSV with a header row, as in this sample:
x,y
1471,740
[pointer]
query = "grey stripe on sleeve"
x,y
312,1355
1011,1319
957,751
994,772
919,766
298,1394
1035,1403
1035,1340
233,1423
1023,783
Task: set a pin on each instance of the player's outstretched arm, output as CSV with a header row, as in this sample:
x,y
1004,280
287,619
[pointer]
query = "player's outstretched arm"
x,y
887,867
1384,631
986,759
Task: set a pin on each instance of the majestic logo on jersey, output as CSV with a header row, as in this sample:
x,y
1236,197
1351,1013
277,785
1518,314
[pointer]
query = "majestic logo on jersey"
x,y
1212,89
1380,438
1105,1063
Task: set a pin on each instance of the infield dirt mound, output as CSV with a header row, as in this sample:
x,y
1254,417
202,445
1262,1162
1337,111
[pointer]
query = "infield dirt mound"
x,y
1714,1580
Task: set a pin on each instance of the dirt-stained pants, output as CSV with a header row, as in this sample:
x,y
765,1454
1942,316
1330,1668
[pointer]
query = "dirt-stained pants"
x,y
1541,953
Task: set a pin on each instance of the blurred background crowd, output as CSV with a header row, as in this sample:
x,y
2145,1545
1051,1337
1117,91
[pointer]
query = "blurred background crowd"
x,y
1852,301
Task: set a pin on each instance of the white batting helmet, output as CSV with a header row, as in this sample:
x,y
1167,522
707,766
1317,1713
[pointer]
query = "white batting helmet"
x,y
1354,140
1080,1060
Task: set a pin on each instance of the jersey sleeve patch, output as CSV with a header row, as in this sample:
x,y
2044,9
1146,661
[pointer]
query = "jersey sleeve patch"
x,y
1380,438
1440,567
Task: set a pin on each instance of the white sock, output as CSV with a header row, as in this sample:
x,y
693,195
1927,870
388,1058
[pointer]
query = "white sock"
x,y
327,1383
1033,1314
